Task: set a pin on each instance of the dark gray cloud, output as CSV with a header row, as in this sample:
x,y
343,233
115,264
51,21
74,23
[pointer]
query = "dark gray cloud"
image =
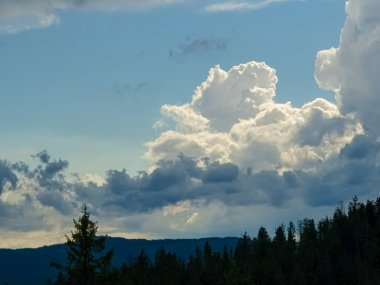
x,y
56,200
217,172
50,173
20,218
7,175
356,171
119,182
164,177
43,156
337,179
23,168
198,46
170,182
47,178
362,147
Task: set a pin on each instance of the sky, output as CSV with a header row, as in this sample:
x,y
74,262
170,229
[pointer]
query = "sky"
x,y
184,118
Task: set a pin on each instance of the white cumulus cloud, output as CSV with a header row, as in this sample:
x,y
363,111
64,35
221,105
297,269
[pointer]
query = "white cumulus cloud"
x,y
352,69
231,6
233,117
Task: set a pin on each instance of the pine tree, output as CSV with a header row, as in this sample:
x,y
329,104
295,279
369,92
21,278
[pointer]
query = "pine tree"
x,y
307,251
263,257
279,256
169,270
140,271
244,258
85,265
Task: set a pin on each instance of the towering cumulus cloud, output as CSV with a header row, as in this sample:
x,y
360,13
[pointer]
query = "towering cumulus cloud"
x,y
233,117
352,70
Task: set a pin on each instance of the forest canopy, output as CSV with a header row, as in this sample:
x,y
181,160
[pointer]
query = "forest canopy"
x,y
342,249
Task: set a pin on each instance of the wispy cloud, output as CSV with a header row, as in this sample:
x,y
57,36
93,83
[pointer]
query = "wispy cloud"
x,y
232,6
32,23
22,15
124,89
199,45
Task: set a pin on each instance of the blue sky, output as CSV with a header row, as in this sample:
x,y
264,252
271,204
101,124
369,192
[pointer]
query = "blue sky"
x,y
98,78
173,118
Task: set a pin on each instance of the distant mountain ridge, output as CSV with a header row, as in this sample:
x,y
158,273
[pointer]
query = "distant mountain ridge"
x,y
32,266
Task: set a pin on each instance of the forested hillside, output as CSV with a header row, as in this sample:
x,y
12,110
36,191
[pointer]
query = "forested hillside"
x,y
35,263
341,249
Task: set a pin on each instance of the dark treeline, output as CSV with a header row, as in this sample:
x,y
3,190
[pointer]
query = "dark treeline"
x,y
343,249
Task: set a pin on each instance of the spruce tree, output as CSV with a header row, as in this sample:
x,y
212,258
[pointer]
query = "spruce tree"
x,y
86,265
